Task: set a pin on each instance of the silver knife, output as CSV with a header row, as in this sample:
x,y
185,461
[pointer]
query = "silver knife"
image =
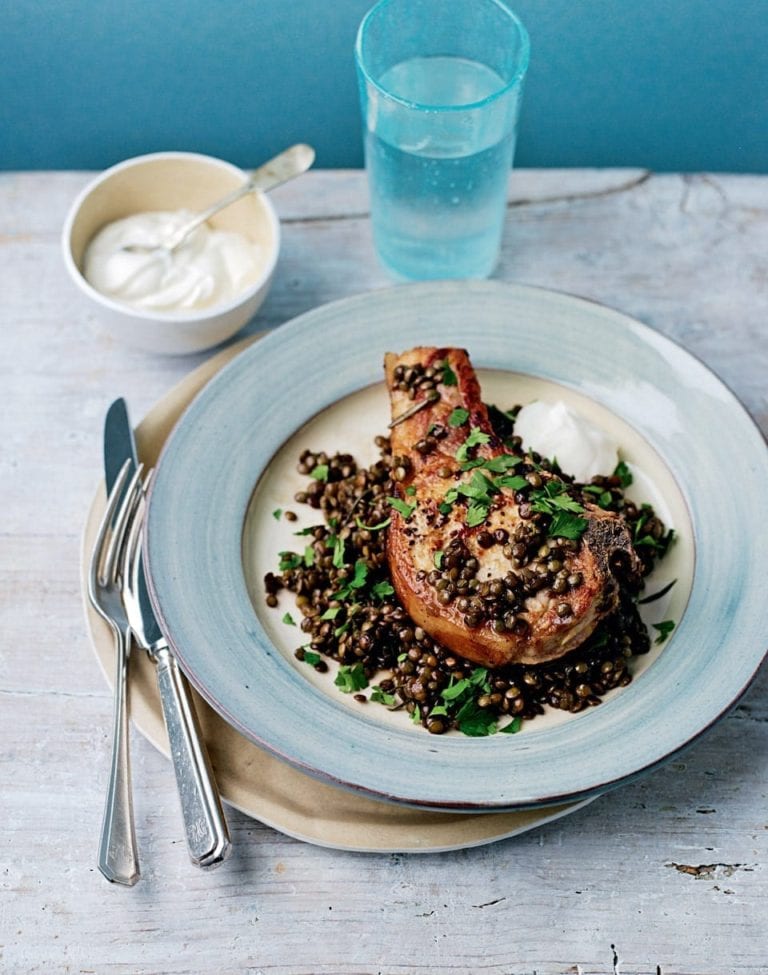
x,y
118,851
205,827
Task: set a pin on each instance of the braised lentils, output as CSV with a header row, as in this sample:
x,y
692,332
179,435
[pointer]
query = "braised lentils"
x,y
350,612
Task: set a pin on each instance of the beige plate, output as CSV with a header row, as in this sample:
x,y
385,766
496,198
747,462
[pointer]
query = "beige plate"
x,y
254,781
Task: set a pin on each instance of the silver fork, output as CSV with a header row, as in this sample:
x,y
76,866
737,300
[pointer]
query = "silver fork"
x,y
118,854
205,827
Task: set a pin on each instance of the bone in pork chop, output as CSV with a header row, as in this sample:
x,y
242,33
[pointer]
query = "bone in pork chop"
x,y
494,556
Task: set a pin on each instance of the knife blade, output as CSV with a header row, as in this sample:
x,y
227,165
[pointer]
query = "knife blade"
x,y
119,444
119,447
208,841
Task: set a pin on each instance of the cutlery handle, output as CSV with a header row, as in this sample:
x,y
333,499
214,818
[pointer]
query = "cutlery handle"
x,y
118,853
204,824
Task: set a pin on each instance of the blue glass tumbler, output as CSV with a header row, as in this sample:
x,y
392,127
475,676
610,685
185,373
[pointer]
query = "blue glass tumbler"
x,y
440,83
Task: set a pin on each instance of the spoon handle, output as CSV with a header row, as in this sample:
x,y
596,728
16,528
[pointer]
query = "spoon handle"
x,y
286,165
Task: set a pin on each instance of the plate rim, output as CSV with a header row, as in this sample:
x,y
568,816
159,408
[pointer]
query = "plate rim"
x,y
414,291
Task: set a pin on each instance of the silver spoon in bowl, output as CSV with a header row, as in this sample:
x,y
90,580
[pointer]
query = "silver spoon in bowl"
x,y
281,168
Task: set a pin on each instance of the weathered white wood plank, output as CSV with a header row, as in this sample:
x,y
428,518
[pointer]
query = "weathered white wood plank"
x,y
671,870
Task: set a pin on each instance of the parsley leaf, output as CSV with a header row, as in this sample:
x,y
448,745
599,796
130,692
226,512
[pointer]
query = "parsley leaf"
x,y
454,690
449,376
513,727
289,560
515,482
382,697
337,544
276,513
474,721
664,629
372,528
602,497
309,556
437,558
331,613
475,438
289,620
351,678
476,514
479,678
458,417
383,589
320,472
405,509
311,658
497,465
623,473
565,525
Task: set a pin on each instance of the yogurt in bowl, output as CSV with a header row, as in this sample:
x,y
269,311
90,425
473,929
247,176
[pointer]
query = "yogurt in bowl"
x,y
213,283
210,267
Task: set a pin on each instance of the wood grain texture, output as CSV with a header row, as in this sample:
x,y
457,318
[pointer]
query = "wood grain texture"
x,y
670,870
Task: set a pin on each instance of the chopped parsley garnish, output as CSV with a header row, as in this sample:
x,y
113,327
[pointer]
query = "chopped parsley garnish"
x,y
642,539
623,473
383,589
496,465
320,472
311,658
410,490
382,697
337,544
565,525
405,509
479,490
458,417
289,620
663,629
476,514
474,721
602,497
351,678
449,376
513,727
554,500
437,558
289,560
475,438
454,691
357,581
331,613
515,482
309,556
372,528
276,513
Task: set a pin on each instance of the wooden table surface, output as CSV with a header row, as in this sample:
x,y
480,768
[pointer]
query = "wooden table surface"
x,y
667,875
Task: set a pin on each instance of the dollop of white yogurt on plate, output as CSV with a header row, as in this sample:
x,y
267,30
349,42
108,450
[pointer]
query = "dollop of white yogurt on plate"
x,y
556,432
209,268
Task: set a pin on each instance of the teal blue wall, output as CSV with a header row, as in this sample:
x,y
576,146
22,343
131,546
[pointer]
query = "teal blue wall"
x,y
666,84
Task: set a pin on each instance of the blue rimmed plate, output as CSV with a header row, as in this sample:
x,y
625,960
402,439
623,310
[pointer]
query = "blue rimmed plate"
x,y
210,530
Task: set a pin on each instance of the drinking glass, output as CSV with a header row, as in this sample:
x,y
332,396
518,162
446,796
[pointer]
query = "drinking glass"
x,y
440,83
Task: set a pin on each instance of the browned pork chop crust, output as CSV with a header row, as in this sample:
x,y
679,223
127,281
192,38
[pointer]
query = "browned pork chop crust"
x,y
419,533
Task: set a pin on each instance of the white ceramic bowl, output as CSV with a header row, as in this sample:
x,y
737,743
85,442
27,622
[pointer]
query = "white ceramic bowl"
x,y
171,181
